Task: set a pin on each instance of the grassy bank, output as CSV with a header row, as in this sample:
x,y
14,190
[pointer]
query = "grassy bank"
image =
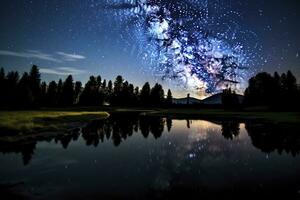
x,y
219,114
60,119
30,121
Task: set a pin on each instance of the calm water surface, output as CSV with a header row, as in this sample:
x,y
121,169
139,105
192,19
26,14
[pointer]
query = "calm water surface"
x,y
154,157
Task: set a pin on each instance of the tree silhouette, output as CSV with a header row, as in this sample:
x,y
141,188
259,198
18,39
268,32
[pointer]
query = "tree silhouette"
x,y
11,86
68,92
125,94
109,91
157,95
2,87
117,91
136,95
260,90
25,95
277,92
290,93
77,91
59,92
145,94
35,84
92,94
43,93
131,94
277,89
52,94
169,97
98,82
2,74
230,99
110,86
103,86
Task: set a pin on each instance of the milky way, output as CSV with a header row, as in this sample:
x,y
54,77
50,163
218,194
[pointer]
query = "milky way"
x,y
196,44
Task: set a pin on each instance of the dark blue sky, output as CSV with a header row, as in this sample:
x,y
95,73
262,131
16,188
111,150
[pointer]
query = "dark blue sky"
x,y
89,37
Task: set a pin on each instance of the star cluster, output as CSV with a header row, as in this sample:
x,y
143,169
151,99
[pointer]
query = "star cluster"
x,y
198,45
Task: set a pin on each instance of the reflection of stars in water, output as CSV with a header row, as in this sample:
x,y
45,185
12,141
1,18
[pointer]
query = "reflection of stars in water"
x,y
198,44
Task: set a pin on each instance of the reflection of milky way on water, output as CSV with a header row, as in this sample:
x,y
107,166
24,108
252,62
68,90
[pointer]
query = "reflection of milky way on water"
x,y
128,156
197,44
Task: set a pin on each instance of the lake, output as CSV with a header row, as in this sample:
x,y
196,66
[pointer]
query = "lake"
x,y
140,157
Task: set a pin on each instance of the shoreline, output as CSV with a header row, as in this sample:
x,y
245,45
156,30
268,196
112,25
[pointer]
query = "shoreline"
x,y
59,119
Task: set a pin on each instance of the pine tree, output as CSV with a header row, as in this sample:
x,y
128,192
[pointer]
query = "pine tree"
x,y
104,85
109,91
43,97
230,99
68,91
136,95
12,80
59,92
52,94
91,94
25,96
77,91
110,86
145,94
157,95
35,84
2,87
2,74
117,91
99,81
169,97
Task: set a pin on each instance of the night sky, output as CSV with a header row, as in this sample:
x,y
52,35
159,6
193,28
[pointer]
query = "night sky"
x,y
196,46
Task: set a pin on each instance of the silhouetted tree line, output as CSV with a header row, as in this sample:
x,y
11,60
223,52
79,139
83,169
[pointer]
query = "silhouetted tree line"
x,y
29,91
230,99
277,91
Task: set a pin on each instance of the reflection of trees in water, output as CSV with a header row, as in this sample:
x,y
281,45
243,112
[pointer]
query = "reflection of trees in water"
x,y
188,123
114,128
144,126
169,123
157,126
230,129
28,146
26,149
120,128
269,137
67,138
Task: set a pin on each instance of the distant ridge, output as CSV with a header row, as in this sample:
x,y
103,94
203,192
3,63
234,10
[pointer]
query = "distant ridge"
x,y
215,99
184,100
